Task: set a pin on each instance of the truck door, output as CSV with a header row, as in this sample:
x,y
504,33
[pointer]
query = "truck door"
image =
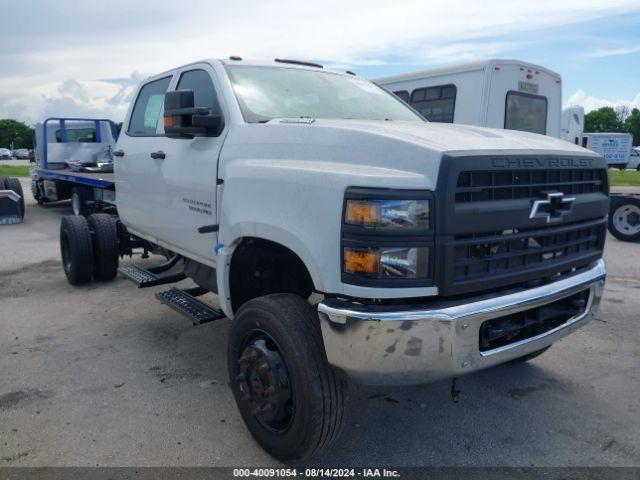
x,y
188,176
138,176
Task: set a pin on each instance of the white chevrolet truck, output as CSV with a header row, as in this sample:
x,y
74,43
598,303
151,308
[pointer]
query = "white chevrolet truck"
x,y
346,238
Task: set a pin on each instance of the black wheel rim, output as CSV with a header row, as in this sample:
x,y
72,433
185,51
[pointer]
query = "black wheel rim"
x,y
263,381
66,252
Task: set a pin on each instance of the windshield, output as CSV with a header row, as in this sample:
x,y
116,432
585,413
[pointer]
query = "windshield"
x,y
270,92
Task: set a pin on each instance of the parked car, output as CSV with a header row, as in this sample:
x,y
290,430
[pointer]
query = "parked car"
x,y
5,154
634,159
21,154
432,250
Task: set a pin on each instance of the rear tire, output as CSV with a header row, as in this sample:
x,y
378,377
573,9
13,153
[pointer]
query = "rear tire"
x,y
15,185
3,183
624,218
289,397
76,249
105,246
530,356
79,198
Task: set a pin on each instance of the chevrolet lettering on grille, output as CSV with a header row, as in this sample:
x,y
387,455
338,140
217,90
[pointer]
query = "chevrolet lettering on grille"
x,y
553,208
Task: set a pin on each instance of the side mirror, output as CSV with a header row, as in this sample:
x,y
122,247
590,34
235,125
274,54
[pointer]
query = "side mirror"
x,y
183,120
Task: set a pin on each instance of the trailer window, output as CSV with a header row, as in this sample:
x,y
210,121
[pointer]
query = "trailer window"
x,y
402,95
146,111
436,104
526,112
79,135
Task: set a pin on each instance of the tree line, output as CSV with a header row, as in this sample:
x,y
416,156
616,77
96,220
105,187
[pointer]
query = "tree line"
x,y
18,133
619,119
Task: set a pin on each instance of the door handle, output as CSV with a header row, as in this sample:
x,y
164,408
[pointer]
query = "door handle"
x,y
159,155
118,153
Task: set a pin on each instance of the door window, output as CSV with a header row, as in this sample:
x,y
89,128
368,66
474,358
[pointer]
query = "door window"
x,y
146,111
402,95
526,112
200,82
436,104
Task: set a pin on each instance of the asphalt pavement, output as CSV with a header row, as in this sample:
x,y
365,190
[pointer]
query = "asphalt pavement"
x,y
105,375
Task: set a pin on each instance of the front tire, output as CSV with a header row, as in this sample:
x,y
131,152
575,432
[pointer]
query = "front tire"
x,y
76,248
15,185
624,218
288,395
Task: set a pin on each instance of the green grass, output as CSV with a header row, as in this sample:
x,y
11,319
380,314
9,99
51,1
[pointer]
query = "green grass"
x,y
618,178
14,170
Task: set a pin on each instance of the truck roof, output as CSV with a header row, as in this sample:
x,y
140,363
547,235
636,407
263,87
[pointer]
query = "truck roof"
x,y
464,67
257,63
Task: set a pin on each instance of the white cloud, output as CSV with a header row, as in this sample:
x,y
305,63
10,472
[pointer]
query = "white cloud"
x,y
612,52
589,102
52,53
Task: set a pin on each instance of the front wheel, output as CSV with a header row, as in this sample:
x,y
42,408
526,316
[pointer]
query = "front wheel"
x,y
15,185
624,218
287,393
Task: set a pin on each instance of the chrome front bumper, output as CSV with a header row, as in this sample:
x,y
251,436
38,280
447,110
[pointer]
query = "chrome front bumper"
x,y
410,345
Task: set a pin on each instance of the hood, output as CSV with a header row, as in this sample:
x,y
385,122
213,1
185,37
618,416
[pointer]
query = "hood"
x,y
452,138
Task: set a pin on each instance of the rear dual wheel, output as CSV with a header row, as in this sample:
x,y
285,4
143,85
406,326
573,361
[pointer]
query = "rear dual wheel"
x,y
289,397
89,248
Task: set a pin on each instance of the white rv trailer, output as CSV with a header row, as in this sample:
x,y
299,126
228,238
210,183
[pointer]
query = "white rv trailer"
x,y
494,93
572,124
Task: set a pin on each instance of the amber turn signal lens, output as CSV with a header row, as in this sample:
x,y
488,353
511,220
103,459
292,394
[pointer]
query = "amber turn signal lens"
x,y
361,261
169,121
362,213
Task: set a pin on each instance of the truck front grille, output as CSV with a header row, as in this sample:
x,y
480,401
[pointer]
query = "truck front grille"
x,y
494,254
486,237
477,186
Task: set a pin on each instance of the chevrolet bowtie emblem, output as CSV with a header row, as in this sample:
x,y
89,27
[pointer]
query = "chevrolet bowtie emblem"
x,y
552,208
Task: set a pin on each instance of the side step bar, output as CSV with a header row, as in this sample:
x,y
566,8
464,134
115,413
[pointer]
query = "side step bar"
x,y
184,302
145,278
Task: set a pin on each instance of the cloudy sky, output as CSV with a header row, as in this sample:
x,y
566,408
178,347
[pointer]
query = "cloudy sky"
x,y
84,58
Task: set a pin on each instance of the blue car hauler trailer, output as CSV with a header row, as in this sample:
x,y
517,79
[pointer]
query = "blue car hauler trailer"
x,y
74,160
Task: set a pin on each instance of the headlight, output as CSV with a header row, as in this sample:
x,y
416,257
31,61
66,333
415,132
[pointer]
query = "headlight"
x,y
388,214
391,262
387,237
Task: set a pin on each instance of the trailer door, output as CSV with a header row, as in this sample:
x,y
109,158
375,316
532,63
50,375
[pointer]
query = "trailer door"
x,y
524,97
